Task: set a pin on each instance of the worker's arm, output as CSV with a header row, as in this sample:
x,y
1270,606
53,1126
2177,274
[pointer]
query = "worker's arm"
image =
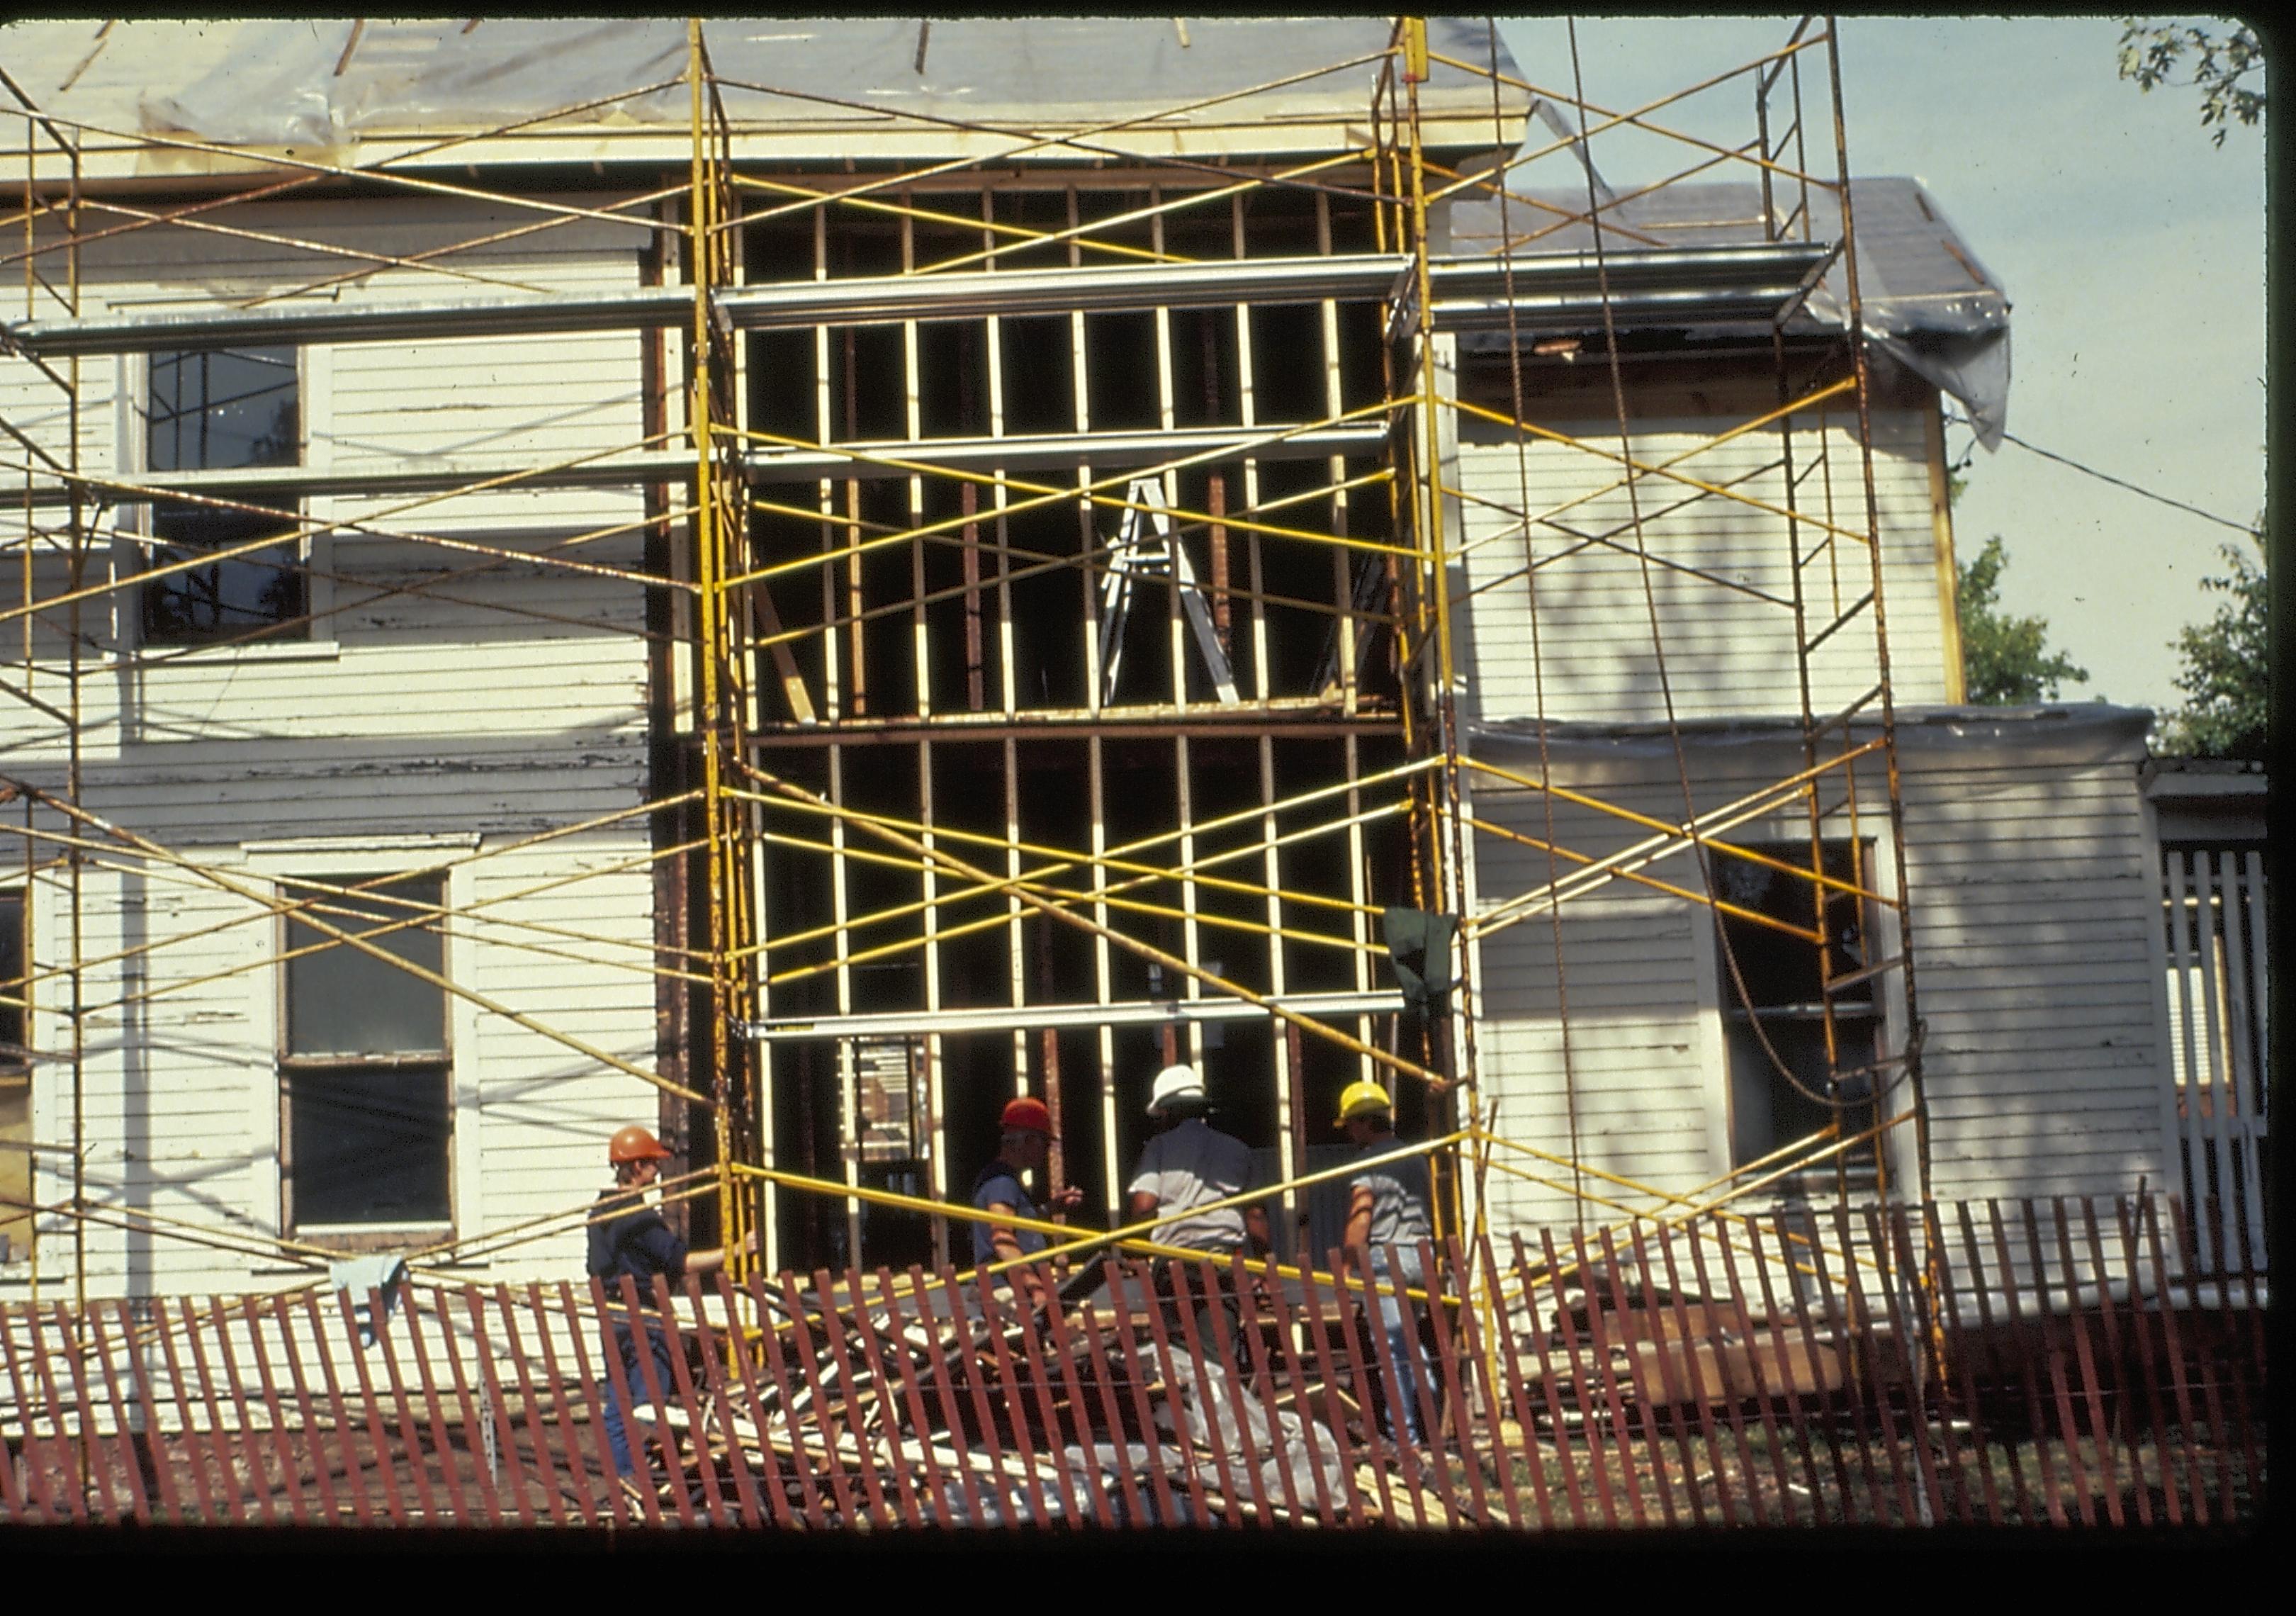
x,y
705,1262
1003,1240
1360,1201
1139,1206
1255,1229
711,1259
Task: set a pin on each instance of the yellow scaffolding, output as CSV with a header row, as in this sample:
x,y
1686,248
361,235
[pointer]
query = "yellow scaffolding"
x,y
786,605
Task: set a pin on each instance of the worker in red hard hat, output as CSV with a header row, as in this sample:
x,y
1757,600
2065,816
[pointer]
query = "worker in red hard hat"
x,y
629,1237
1024,1146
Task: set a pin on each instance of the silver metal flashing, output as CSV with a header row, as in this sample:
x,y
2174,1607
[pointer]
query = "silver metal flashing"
x,y
1685,281
1006,1018
862,462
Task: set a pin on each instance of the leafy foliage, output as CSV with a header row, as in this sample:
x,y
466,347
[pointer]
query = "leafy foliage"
x,y
2006,660
2152,51
2227,677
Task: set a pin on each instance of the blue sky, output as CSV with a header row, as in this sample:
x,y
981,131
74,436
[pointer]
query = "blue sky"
x,y
2132,251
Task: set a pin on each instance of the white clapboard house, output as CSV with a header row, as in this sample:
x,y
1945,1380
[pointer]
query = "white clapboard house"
x,y
479,716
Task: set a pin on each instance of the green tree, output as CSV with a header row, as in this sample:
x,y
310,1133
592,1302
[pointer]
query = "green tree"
x,y
2151,52
2005,662
2226,679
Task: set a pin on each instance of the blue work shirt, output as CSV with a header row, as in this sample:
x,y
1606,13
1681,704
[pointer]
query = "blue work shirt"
x,y
999,1184
636,1242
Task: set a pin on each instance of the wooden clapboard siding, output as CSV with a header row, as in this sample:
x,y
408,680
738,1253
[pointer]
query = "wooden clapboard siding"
x,y
2034,901
540,688
544,1109
1726,652
568,645
31,400
494,406
2034,906
1637,1082
180,1090
494,705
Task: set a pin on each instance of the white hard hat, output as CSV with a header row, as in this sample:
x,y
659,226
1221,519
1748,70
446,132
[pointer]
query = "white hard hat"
x,y
1175,1083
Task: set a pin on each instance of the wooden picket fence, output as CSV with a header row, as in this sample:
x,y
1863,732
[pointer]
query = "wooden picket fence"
x,y
2046,1366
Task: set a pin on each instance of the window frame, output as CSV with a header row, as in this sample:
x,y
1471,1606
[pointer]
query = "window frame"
x,y
1886,1014
137,520
16,1073
349,860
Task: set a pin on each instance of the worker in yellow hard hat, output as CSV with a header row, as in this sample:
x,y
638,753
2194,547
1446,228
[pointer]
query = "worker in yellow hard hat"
x,y
629,1237
1388,1204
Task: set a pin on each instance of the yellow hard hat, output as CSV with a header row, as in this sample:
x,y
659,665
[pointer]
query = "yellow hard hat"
x,y
1364,1098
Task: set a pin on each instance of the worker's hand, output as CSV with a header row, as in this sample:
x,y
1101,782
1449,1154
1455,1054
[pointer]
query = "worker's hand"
x,y
1067,1199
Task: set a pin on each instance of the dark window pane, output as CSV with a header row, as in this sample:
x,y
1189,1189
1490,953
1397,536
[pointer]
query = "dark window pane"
x,y
1780,969
227,597
1766,1112
1782,981
12,978
342,1001
230,407
368,1145
215,411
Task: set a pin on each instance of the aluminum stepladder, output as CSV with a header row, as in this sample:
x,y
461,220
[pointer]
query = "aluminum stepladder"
x,y
1144,547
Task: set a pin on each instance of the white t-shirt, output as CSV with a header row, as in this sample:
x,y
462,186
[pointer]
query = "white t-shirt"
x,y
1188,1165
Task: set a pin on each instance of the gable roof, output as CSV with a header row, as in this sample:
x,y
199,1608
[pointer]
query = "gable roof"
x,y
1928,300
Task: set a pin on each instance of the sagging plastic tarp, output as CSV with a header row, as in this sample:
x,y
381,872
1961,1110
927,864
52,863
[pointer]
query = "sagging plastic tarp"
x,y
311,84
281,85
1192,1410
1928,302
1187,1413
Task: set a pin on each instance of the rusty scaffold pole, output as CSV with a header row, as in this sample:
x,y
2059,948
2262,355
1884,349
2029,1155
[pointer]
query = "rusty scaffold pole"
x,y
1441,861
721,717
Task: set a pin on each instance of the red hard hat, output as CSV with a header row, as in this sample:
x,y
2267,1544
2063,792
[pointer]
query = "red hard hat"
x,y
633,1144
1025,1112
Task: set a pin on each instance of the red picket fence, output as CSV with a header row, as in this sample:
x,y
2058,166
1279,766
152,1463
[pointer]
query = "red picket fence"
x,y
1957,1363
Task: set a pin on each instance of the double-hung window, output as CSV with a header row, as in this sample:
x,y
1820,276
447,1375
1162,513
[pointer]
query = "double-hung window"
x,y
15,1083
1783,1093
366,1087
211,575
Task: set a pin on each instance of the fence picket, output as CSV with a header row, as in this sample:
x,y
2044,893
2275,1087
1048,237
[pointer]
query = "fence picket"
x,y
846,1405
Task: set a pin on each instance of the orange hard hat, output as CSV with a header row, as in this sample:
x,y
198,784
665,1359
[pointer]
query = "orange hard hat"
x,y
1027,1113
633,1144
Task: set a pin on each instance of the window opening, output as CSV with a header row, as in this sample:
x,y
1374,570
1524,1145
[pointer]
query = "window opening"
x,y
225,409
364,1060
1783,985
15,1084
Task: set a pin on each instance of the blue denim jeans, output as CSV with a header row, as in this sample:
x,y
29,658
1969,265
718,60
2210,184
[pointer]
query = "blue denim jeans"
x,y
1397,1323
617,1419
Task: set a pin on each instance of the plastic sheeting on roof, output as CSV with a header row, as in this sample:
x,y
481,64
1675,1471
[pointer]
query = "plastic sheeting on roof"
x,y
308,84
1928,302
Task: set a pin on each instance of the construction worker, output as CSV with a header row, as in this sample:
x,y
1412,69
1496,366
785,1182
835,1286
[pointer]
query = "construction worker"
x,y
1388,1206
627,1236
1187,1164
1024,1146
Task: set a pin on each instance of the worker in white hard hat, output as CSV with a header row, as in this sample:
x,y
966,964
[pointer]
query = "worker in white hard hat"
x,y
1187,1164
1388,1206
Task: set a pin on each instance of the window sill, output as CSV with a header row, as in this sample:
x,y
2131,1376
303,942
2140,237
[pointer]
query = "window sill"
x,y
371,1240
297,651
